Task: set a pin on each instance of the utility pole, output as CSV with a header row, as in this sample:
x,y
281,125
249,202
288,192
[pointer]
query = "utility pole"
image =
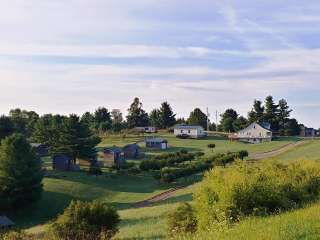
x,y
217,118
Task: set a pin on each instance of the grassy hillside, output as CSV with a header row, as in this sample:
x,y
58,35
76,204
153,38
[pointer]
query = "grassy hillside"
x,y
308,151
295,225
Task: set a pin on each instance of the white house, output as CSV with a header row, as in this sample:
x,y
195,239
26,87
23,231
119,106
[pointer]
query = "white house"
x,y
189,131
254,133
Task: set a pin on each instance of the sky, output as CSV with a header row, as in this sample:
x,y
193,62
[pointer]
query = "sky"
x,y
72,56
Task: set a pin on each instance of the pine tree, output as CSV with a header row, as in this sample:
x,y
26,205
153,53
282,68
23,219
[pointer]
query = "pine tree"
x,y
137,117
256,114
168,118
197,117
20,172
271,112
284,113
155,118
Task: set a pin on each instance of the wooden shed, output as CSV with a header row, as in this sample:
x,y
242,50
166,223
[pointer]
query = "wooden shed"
x,y
63,162
131,151
5,222
113,157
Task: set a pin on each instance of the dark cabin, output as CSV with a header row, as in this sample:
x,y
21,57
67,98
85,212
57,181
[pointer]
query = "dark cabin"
x,y
63,162
113,157
5,222
41,149
131,151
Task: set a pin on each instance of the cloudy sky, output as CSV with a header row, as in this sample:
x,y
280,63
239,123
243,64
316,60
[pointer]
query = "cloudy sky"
x,y
70,56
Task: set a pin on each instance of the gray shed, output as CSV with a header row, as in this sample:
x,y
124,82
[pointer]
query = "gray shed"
x,y
131,151
113,157
5,222
63,162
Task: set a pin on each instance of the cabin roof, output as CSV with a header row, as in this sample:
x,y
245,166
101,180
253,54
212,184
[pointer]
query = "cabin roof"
x,y
188,127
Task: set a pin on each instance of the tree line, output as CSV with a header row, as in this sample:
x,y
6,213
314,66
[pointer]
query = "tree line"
x,y
57,129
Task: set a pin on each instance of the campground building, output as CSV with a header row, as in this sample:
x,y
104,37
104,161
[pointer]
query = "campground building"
x,y
112,157
147,129
254,133
5,223
189,131
156,143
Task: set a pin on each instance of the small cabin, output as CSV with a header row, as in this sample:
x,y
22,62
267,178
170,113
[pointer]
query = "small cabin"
x,y
189,131
63,162
308,132
131,151
5,223
113,157
156,142
254,133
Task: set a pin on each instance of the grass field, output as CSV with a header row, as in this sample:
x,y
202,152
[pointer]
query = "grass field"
x,y
122,191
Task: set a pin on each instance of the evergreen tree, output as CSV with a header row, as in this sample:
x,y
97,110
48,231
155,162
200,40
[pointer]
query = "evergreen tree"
x,y
6,127
155,118
197,117
284,113
168,118
271,112
291,128
20,173
257,112
137,117
88,119
75,139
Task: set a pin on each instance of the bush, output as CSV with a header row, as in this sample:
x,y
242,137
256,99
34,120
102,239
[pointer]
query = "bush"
x,y
85,220
211,145
16,235
182,220
228,194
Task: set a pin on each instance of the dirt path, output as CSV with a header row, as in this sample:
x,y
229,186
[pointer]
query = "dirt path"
x,y
276,152
158,198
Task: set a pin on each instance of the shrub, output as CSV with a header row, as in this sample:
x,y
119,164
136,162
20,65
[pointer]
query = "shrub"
x,y
85,220
182,220
211,145
228,194
94,169
16,235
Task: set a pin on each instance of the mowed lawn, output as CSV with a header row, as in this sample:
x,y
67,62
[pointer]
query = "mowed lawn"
x,y
307,151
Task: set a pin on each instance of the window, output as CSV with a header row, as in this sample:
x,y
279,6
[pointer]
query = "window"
x,y
189,131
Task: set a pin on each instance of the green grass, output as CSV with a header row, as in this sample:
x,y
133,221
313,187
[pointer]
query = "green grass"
x,y
124,190
308,151
303,224
60,188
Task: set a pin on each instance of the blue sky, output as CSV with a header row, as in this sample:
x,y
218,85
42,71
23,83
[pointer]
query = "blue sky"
x,y
70,56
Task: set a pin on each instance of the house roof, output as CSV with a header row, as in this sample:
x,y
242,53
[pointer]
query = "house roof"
x,y
5,222
134,145
188,127
255,123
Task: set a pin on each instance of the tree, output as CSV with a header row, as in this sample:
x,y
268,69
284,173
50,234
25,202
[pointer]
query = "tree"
x,y
291,128
85,220
240,123
75,139
102,119
155,118
227,120
20,173
197,117
24,121
167,117
284,113
88,119
256,114
137,117
6,127
271,113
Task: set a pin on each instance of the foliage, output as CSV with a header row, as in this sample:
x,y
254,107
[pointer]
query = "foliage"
x,y
228,194
16,235
211,145
6,127
227,120
23,121
20,173
182,220
197,117
256,114
85,220
137,117
94,169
